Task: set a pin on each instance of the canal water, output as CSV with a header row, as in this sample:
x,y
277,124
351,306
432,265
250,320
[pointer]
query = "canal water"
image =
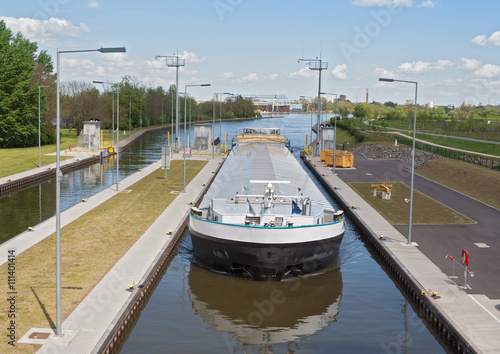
x,y
352,306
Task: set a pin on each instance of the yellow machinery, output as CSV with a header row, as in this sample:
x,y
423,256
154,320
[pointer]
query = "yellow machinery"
x,y
385,187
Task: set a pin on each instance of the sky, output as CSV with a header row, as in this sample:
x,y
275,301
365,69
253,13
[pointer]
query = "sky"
x,y
252,47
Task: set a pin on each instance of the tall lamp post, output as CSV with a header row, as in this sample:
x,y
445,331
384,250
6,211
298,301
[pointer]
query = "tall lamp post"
x,y
130,114
39,128
335,129
117,126
317,64
59,177
412,150
140,121
311,98
175,61
185,116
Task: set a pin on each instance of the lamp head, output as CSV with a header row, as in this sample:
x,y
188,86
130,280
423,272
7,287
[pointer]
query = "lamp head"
x,y
385,79
112,50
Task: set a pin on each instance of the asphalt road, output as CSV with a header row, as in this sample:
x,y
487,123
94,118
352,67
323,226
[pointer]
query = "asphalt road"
x,y
481,240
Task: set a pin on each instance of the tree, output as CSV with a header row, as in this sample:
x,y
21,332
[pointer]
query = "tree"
x,y
82,101
19,88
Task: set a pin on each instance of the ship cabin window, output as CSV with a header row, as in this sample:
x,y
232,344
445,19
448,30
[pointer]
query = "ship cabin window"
x,y
216,218
252,220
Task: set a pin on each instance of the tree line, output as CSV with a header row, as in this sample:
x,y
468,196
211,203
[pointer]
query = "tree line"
x,y
27,79
464,120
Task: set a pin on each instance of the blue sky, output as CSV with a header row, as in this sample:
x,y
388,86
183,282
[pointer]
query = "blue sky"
x,y
451,47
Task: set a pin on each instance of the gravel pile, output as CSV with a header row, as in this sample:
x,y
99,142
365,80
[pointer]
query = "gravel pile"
x,y
379,152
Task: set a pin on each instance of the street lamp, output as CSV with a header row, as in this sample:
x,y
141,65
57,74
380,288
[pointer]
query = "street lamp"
x,y
39,128
140,121
335,129
185,95
317,64
175,61
59,177
130,114
412,150
117,127
311,98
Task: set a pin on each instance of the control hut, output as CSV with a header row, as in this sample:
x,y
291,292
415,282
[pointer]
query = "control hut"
x,y
90,139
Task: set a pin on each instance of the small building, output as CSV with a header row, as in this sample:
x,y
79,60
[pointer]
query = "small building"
x,y
90,138
202,136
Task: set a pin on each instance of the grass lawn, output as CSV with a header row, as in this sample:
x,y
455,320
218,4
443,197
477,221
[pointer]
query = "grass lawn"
x,y
425,209
90,247
476,181
22,159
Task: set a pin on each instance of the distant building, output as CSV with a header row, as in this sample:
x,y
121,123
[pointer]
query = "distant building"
x,y
430,104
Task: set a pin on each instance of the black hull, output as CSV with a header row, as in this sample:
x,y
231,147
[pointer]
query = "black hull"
x,y
266,262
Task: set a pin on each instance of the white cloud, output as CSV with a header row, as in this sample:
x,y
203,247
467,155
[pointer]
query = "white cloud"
x,y
71,64
482,40
381,72
93,4
304,72
428,3
191,57
470,64
340,72
227,75
271,77
441,64
488,71
46,32
421,67
418,67
249,78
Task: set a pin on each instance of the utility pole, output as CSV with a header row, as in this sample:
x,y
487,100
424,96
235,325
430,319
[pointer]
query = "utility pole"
x,y
174,61
317,64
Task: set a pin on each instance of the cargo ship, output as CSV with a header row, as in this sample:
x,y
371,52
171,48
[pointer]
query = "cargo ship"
x,y
263,217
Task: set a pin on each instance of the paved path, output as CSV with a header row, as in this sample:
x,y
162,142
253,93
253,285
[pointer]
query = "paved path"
x,y
73,155
447,136
95,316
452,148
475,315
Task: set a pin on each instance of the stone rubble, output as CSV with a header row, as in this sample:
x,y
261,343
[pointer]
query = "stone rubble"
x,y
379,152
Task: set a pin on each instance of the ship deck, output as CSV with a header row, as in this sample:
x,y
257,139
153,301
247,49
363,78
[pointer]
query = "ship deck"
x,y
259,162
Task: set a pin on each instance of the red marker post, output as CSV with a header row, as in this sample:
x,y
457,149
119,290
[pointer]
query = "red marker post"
x,y
464,265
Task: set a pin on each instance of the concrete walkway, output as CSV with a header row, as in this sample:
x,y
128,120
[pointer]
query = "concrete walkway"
x,y
93,318
452,148
73,156
475,317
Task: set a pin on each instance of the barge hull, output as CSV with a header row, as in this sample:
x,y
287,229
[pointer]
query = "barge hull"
x,y
268,262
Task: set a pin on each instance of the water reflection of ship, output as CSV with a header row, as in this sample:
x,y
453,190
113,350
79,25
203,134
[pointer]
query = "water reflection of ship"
x,y
266,313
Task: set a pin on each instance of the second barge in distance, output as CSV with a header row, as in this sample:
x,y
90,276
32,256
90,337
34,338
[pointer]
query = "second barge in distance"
x,y
263,217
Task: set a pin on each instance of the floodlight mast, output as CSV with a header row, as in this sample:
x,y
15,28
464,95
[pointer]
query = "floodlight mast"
x,y
174,61
317,64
